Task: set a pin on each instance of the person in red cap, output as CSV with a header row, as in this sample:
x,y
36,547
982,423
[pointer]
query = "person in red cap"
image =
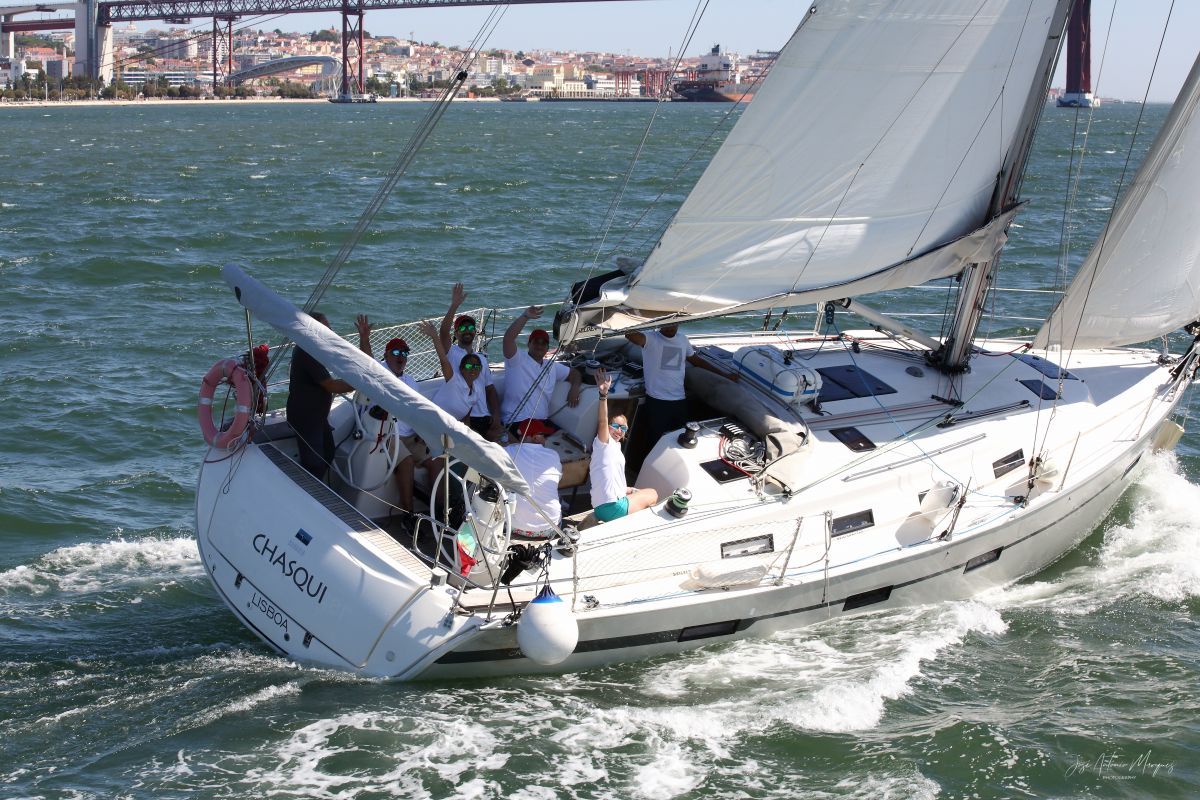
x,y
528,381
412,450
458,339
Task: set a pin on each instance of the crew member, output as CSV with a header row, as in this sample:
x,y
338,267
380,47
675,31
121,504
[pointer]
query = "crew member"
x,y
528,382
310,396
542,469
411,450
458,338
612,497
665,354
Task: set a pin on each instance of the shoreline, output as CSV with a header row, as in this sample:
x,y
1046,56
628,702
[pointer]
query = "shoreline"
x,y
165,101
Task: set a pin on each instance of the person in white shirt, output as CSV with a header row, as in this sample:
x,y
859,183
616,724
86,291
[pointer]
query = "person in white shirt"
x,y
528,381
542,469
665,356
612,497
458,337
411,450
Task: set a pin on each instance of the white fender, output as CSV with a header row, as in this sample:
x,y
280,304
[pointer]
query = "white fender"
x,y
547,632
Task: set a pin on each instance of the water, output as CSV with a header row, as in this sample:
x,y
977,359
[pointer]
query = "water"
x,y
121,674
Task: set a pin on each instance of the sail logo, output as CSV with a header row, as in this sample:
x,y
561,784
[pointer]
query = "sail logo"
x,y
301,577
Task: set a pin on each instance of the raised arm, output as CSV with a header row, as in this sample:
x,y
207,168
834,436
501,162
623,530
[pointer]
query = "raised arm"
x,y
637,337
427,328
457,295
515,328
364,334
604,383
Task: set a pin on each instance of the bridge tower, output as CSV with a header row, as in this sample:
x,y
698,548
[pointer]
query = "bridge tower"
x,y
1078,93
352,48
93,43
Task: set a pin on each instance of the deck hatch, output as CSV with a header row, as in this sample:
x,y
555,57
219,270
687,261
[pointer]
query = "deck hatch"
x,y
853,438
726,628
722,472
983,560
852,522
867,598
748,547
1040,388
1003,466
846,381
1051,370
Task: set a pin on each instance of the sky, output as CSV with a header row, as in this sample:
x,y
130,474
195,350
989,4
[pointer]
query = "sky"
x,y
657,27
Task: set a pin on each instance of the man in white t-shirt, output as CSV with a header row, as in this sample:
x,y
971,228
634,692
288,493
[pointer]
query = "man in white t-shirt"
x,y
458,338
612,497
665,356
411,450
528,380
542,469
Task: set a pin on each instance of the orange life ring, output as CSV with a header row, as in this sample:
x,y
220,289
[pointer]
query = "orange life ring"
x,y
230,370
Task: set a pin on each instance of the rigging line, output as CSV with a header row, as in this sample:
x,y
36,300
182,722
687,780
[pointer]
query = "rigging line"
x,y
424,129
610,215
419,137
1099,247
998,102
657,233
850,184
1065,238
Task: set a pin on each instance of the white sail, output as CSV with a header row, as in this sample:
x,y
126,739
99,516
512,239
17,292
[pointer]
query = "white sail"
x,y
1141,279
877,138
370,377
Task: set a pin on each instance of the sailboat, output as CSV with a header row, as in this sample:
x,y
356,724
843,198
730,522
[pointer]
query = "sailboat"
x,y
824,474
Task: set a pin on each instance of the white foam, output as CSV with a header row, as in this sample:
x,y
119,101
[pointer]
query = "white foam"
x,y
1157,554
99,566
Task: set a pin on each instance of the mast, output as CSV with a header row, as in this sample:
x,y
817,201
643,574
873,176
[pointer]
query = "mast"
x,y
977,278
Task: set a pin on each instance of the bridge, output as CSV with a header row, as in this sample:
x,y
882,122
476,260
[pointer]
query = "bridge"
x,y
93,22
275,66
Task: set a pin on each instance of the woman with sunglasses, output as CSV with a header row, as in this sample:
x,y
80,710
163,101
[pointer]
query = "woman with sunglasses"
x,y
612,497
458,337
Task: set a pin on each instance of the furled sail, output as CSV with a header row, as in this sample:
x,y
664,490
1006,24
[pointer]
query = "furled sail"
x,y
373,379
1141,279
876,140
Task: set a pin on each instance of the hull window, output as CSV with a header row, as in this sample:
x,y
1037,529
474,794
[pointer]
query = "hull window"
x,y
748,547
983,560
867,598
708,631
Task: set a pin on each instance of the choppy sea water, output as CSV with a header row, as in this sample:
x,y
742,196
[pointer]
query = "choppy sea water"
x,y
121,674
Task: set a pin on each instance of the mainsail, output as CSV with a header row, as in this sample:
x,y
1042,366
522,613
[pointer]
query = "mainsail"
x,y
438,429
868,160
1141,279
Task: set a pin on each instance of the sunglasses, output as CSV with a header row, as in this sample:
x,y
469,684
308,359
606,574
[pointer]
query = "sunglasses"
x,y
398,353
470,367
468,328
618,427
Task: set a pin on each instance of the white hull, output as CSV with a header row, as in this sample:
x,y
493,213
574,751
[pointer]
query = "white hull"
x,y
323,584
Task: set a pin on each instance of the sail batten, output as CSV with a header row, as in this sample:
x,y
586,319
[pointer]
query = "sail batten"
x,y
881,132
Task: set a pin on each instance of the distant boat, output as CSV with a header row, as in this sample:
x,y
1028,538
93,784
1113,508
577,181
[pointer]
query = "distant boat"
x,y
354,98
717,79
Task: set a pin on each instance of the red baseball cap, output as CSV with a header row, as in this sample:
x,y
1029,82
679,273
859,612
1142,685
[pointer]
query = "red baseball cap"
x,y
396,344
538,333
464,319
533,427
